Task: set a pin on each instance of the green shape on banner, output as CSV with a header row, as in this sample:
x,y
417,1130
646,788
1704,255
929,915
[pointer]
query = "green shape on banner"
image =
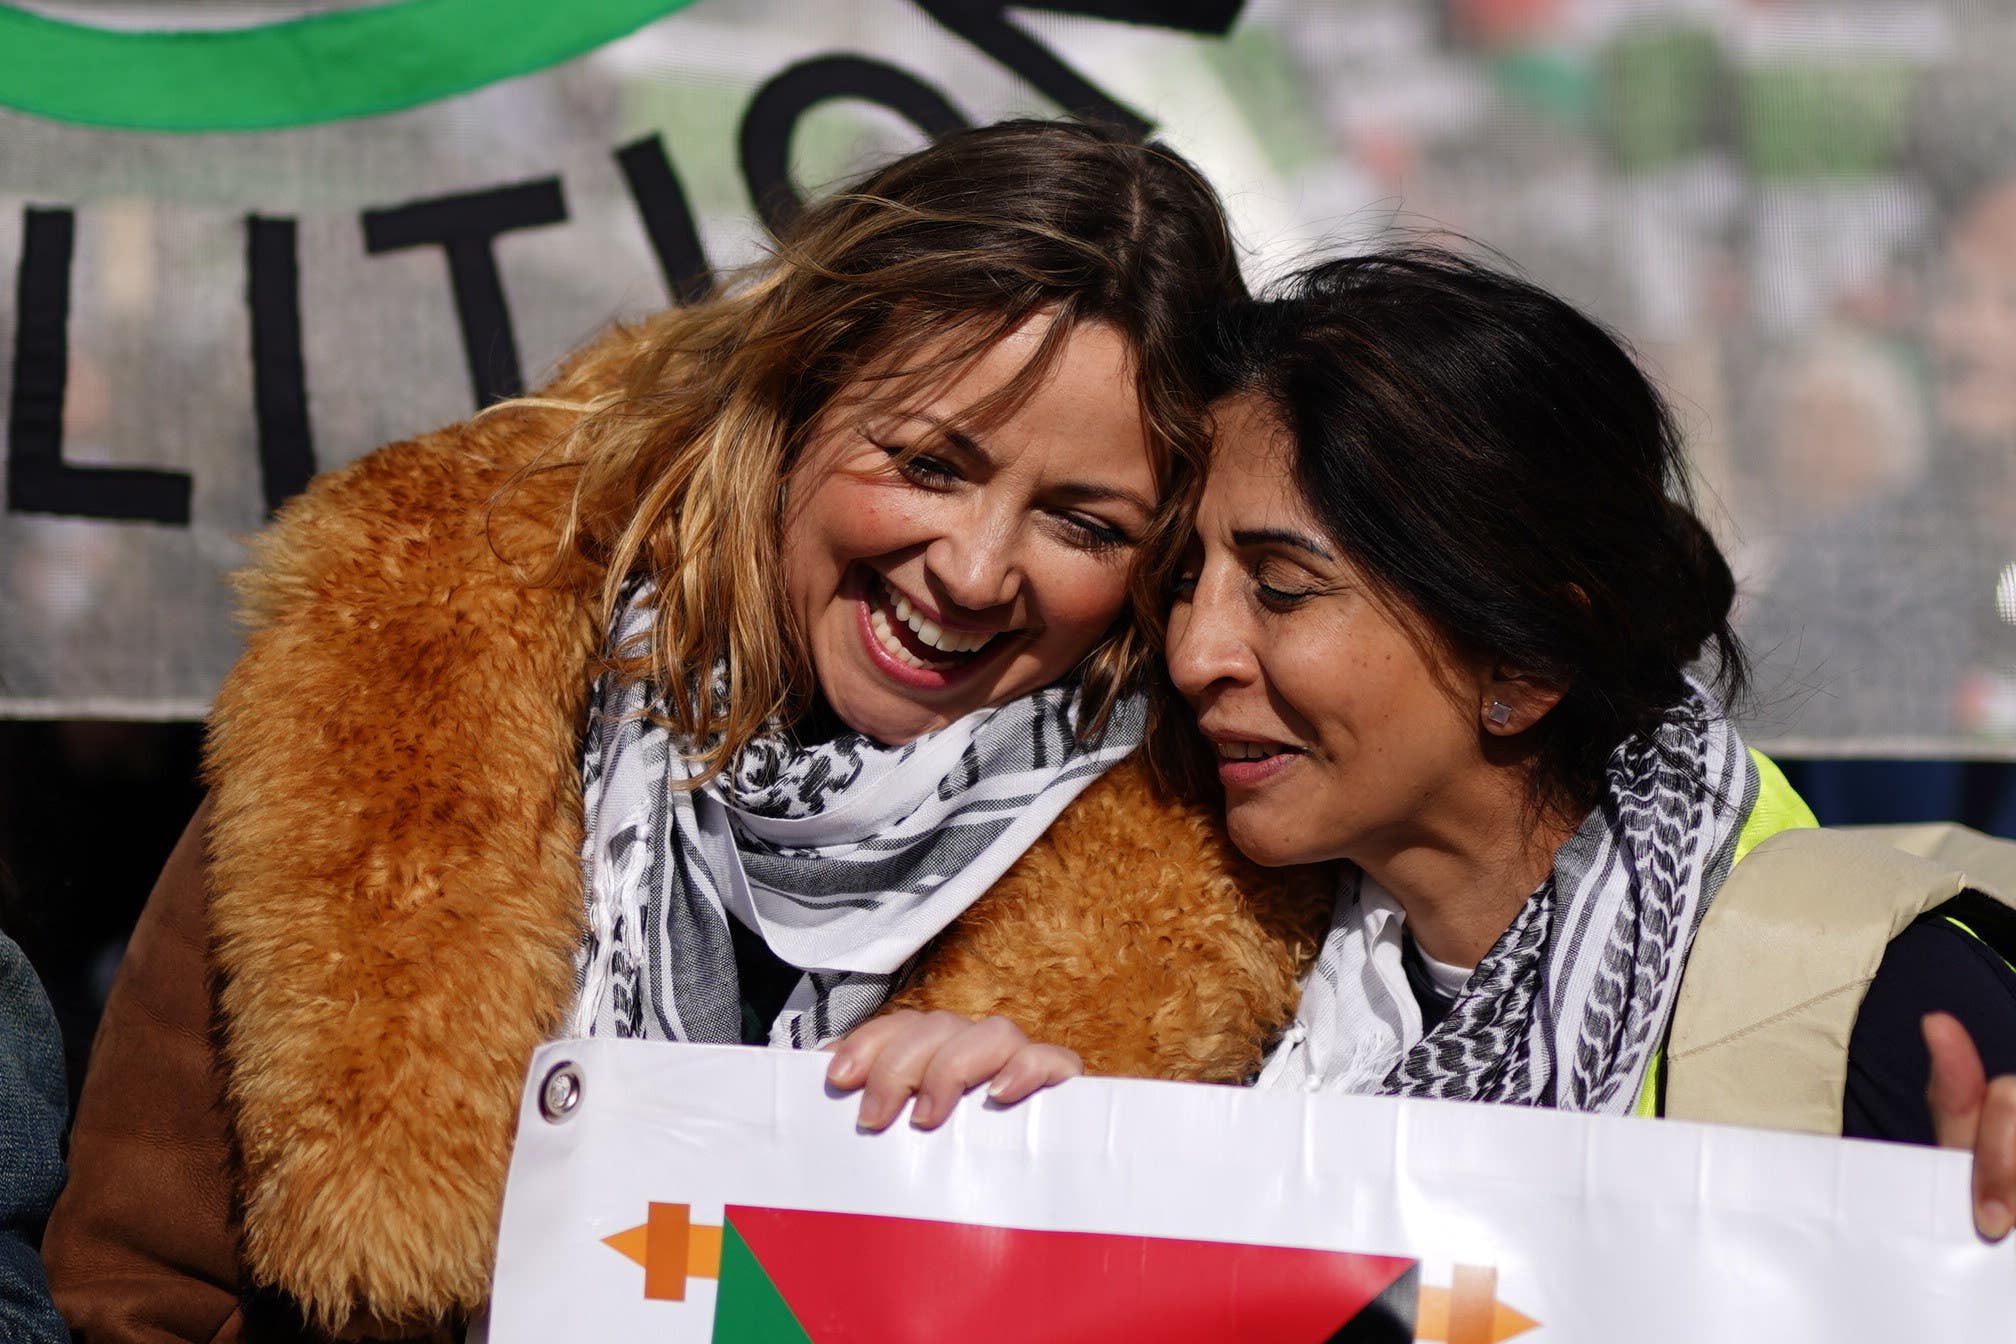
x,y
300,72
748,1309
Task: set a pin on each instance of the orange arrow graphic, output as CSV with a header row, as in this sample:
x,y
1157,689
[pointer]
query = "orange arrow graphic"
x,y
1468,1311
672,1248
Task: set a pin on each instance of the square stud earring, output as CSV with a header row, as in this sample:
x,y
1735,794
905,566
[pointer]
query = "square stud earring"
x,y
1499,714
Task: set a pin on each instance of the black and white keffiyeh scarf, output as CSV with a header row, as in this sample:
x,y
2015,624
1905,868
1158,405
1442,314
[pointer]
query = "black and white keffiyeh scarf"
x,y
845,856
1571,1005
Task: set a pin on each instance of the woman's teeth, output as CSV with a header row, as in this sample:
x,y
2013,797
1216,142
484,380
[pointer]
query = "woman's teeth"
x,y
945,641
928,632
878,621
1247,751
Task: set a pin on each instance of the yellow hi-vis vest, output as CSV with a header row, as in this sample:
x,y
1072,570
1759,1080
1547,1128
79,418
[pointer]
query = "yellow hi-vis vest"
x,y
1786,952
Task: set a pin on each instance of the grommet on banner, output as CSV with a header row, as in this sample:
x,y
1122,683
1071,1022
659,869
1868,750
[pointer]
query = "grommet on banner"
x,y
560,1093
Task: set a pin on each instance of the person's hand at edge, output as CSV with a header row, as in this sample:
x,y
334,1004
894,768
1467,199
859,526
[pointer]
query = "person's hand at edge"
x,y
1972,1112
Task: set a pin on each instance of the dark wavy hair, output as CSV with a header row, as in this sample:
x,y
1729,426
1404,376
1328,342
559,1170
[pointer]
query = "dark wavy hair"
x,y
1496,464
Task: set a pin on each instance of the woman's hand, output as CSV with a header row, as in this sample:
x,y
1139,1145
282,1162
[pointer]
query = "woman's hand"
x,y
1971,1112
939,1057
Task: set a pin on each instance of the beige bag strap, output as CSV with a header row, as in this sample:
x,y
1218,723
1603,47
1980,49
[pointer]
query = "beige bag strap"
x,y
1778,970
1989,862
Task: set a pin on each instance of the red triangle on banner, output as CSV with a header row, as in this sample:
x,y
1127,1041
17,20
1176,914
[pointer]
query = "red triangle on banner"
x,y
859,1277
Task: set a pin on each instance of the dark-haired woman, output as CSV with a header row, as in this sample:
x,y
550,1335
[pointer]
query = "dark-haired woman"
x,y
1437,625
697,698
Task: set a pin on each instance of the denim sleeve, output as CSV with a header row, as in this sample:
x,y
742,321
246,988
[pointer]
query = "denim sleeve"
x,y
32,1109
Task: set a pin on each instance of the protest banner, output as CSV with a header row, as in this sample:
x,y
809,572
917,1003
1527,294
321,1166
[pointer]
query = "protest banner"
x,y
243,241
713,1193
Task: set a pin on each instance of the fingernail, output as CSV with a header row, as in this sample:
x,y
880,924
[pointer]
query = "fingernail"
x,y
921,1116
1010,1080
843,1071
1995,1219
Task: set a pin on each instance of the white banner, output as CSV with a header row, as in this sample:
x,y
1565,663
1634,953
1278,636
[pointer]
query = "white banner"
x,y
714,1193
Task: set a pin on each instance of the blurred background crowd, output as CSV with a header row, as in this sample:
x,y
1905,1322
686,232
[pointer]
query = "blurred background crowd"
x,y
1801,214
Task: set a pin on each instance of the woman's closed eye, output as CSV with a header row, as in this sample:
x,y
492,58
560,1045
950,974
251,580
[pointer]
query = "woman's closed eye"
x,y
933,471
1279,591
921,468
1090,534
1282,599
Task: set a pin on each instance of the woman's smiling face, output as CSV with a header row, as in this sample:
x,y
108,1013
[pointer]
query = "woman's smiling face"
x,y
1337,731
989,564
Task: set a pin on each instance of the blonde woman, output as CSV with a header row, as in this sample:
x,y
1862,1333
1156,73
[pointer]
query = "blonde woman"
x,y
701,697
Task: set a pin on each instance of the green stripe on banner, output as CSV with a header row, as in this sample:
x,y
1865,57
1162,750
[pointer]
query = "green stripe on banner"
x,y
301,72
748,1309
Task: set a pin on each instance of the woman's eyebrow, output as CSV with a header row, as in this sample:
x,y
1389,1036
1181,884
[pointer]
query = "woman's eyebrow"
x,y
1275,536
1090,492
953,435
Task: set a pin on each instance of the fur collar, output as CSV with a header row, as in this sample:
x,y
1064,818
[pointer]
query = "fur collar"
x,y
395,881
394,861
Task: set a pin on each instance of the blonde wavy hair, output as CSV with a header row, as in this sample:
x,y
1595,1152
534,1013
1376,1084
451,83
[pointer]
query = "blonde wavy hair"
x,y
684,453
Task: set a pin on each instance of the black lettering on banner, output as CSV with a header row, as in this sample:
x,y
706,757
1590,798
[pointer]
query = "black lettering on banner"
x,y
773,114
985,24
668,220
38,479
279,374
466,227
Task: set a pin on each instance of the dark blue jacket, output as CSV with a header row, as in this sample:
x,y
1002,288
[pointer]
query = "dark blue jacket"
x,y
32,1109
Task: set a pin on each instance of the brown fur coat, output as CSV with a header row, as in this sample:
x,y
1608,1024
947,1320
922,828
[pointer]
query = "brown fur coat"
x,y
394,868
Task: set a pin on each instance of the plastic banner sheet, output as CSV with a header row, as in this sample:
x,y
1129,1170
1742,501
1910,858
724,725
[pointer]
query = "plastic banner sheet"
x,y
712,1193
242,241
